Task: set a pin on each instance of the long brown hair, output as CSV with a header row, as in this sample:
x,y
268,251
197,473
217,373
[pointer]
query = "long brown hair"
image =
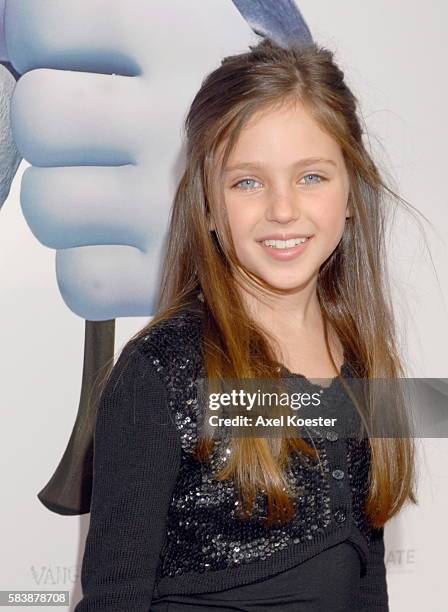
x,y
352,286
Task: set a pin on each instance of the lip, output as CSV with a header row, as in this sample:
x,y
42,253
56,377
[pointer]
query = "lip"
x,y
285,254
280,236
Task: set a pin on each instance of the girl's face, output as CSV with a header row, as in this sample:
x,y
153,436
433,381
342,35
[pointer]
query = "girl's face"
x,y
274,190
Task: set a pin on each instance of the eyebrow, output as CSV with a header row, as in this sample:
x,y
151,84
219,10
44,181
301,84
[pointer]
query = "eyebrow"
x,y
307,161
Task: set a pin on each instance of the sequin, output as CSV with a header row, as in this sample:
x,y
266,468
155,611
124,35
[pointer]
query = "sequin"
x,y
203,529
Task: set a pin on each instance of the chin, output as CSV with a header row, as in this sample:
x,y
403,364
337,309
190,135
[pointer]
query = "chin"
x,y
298,282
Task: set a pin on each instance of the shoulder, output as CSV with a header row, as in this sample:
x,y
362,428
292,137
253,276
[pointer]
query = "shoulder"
x,y
131,379
172,343
160,353
172,349
148,370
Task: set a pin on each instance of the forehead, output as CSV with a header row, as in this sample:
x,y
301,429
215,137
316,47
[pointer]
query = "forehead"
x,y
277,137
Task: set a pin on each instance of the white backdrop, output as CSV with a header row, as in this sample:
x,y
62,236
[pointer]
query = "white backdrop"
x,y
394,57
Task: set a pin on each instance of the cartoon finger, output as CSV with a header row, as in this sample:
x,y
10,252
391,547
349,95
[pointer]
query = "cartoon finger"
x,y
77,118
51,197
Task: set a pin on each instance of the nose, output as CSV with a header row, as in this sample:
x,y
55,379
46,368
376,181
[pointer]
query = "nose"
x,y
283,206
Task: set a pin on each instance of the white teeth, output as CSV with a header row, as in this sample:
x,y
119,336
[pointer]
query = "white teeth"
x,y
284,244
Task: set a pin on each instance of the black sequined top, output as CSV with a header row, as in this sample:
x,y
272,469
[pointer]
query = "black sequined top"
x,y
160,525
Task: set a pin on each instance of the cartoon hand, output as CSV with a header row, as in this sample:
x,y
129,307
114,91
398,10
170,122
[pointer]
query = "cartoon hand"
x,y
98,113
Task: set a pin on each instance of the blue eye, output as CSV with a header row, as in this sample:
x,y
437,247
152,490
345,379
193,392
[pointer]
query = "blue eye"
x,y
245,180
315,182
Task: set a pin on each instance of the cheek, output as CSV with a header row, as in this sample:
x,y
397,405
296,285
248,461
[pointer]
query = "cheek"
x,y
328,211
242,218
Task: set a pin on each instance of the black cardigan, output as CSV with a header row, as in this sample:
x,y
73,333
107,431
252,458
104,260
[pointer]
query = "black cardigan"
x,y
160,525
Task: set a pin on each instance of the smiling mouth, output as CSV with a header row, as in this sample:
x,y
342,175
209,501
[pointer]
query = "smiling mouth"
x,y
284,244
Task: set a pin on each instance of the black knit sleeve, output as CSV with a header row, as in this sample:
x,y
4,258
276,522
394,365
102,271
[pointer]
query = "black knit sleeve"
x,y
373,587
135,463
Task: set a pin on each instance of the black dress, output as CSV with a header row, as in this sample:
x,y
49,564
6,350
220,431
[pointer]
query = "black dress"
x,y
328,582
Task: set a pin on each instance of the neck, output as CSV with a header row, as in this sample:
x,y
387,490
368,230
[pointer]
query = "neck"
x,y
298,310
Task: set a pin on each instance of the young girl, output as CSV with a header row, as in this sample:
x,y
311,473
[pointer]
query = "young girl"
x,y
274,266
